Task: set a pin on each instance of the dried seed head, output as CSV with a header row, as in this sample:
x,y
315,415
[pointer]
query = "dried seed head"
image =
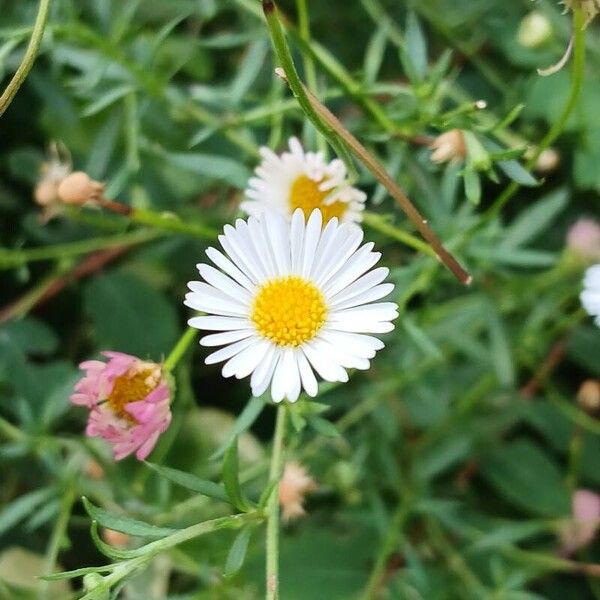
x,y
449,146
588,395
535,30
294,485
590,8
78,188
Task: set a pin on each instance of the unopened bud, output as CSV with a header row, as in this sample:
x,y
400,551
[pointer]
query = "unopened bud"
x,y
45,192
583,239
535,30
449,146
588,396
116,538
78,188
294,485
93,470
547,161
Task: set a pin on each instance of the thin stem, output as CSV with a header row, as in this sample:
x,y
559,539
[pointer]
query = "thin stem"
x,y
272,573
391,543
10,258
60,527
561,121
382,176
309,65
284,57
32,49
179,349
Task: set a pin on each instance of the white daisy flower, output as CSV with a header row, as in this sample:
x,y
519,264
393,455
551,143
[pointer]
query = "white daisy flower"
x,y
299,179
590,297
291,299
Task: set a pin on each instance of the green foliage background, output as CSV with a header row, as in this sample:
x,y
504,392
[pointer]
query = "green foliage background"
x,y
433,467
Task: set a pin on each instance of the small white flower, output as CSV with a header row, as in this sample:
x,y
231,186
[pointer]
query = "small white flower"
x,y
299,179
290,299
590,297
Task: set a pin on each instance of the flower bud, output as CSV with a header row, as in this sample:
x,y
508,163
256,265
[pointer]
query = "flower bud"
x,y
78,188
93,470
590,8
449,146
535,29
547,161
115,538
583,239
582,528
588,396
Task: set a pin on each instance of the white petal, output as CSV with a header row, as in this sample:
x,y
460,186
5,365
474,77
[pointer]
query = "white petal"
x,y
279,383
360,262
219,323
311,240
361,345
309,381
323,365
375,293
252,251
341,255
229,351
340,355
261,378
367,281
235,248
296,240
220,339
262,244
363,327
280,240
242,364
381,311
206,298
226,265
223,282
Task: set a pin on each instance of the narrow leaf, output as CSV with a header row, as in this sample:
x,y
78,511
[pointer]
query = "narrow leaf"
x,y
237,553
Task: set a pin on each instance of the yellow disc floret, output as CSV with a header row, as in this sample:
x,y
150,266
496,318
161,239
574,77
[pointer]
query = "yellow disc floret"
x,y
289,310
305,194
131,387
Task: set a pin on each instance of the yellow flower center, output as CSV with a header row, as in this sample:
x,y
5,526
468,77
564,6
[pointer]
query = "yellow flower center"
x,y
131,387
289,310
305,194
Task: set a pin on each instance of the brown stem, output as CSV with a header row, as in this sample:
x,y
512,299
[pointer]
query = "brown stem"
x,y
381,175
554,358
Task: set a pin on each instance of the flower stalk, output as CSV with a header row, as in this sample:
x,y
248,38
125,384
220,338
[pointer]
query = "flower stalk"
x,y
272,572
32,49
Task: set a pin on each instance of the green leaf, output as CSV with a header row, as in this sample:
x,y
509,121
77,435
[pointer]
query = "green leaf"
x,y
526,477
535,220
247,417
210,165
500,351
517,172
22,507
472,185
323,426
191,482
237,553
123,523
231,479
505,534
416,46
130,315
31,336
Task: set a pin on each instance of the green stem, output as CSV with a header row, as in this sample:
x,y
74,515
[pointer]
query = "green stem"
x,y
561,121
284,57
10,258
377,222
32,49
179,349
391,543
272,572
171,222
310,72
60,527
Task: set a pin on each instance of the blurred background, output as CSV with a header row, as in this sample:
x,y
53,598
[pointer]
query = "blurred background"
x,y
446,471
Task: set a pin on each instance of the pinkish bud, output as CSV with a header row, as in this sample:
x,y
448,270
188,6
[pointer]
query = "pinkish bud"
x,y
581,530
294,485
583,239
449,147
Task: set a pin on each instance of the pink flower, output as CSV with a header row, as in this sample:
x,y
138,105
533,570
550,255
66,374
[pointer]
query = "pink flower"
x,y
128,401
584,238
582,528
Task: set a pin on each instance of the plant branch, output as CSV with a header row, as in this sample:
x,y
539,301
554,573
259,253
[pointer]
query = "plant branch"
x,y
272,571
32,49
